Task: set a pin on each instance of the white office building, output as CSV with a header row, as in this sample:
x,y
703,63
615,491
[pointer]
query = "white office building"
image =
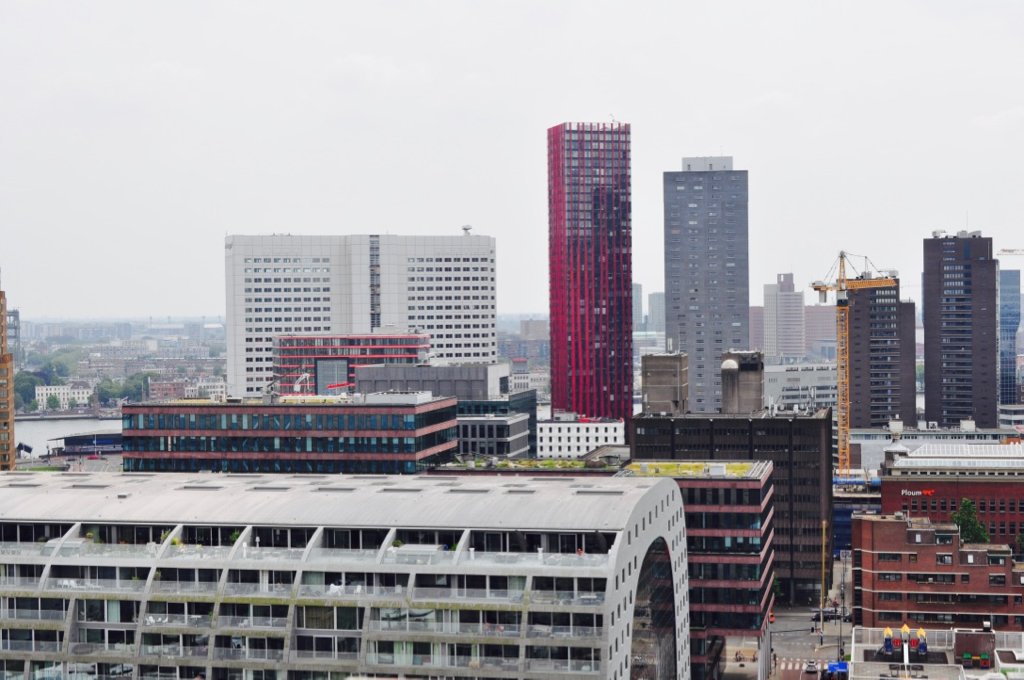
x,y
571,437
65,393
179,576
800,386
331,285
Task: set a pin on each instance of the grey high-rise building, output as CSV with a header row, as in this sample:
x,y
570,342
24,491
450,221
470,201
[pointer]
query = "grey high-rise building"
x,y
638,307
961,329
784,330
1009,322
656,312
707,294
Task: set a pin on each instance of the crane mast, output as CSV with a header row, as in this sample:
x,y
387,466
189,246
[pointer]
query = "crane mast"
x,y
841,286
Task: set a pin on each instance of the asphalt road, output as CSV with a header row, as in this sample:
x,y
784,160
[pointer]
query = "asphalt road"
x,y
795,644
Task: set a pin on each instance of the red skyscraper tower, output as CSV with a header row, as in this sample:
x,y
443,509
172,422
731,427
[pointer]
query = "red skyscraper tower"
x,y
591,271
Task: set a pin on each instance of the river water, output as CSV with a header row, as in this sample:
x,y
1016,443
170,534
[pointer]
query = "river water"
x,y
38,433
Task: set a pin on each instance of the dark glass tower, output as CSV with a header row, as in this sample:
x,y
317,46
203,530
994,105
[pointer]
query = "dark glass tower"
x,y
961,329
590,267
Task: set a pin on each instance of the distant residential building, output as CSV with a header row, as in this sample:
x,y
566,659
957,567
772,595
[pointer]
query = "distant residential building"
x,y
500,436
171,388
911,570
520,377
639,322
65,393
756,316
384,433
820,331
590,268
207,387
664,383
883,373
325,364
570,436
1011,416
535,329
961,331
351,285
784,330
800,449
8,444
706,270
656,312
1009,324
800,386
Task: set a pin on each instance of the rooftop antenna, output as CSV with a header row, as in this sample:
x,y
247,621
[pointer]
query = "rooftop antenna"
x,y
612,116
466,228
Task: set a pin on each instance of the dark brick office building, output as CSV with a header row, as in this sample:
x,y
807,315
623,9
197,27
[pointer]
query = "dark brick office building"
x,y
800,449
961,333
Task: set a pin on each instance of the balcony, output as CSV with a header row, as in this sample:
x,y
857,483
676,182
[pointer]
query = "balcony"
x,y
197,552
252,621
278,554
22,549
29,646
566,597
467,594
540,630
155,620
233,653
574,666
510,665
99,648
300,655
113,550
96,585
281,590
340,556
567,560
446,628
19,582
350,590
186,587
33,614
193,651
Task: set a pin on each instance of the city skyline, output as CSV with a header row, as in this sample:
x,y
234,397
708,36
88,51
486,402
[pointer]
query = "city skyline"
x,y
133,153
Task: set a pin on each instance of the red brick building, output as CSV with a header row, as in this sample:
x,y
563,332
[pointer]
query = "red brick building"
x,y
933,480
914,571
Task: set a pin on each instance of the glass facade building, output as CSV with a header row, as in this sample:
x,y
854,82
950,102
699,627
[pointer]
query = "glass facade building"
x,y
1009,322
385,433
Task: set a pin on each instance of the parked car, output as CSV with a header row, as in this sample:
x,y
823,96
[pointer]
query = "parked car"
x,y
811,666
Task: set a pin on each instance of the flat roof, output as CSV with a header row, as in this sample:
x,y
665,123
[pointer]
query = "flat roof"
x,y
518,503
713,469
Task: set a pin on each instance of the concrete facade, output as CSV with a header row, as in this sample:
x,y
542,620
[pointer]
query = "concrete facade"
x,y
343,285
800,386
664,383
278,576
707,291
742,382
961,329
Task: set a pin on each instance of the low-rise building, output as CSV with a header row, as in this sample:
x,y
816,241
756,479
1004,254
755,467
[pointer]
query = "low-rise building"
x,y
567,435
231,576
868,444
387,432
918,572
800,386
504,436
66,395
932,481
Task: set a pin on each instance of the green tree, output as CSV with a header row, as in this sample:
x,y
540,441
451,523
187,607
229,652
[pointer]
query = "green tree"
x,y
32,406
108,390
136,386
25,384
971,528
52,402
19,403
72,403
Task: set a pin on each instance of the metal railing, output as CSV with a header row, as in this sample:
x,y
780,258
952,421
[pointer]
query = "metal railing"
x,y
96,585
315,654
338,590
207,587
243,653
563,665
181,620
274,589
33,614
252,621
453,593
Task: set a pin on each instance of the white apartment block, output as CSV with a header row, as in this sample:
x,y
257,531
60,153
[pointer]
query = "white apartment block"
x,y
66,394
215,389
804,386
575,438
323,285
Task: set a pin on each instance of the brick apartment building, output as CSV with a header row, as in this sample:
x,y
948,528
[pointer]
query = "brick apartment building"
x,y
915,571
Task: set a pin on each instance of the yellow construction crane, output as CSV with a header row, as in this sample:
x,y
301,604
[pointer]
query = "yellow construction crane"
x,y
841,285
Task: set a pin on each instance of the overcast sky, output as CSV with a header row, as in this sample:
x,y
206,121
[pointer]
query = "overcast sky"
x,y
134,136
